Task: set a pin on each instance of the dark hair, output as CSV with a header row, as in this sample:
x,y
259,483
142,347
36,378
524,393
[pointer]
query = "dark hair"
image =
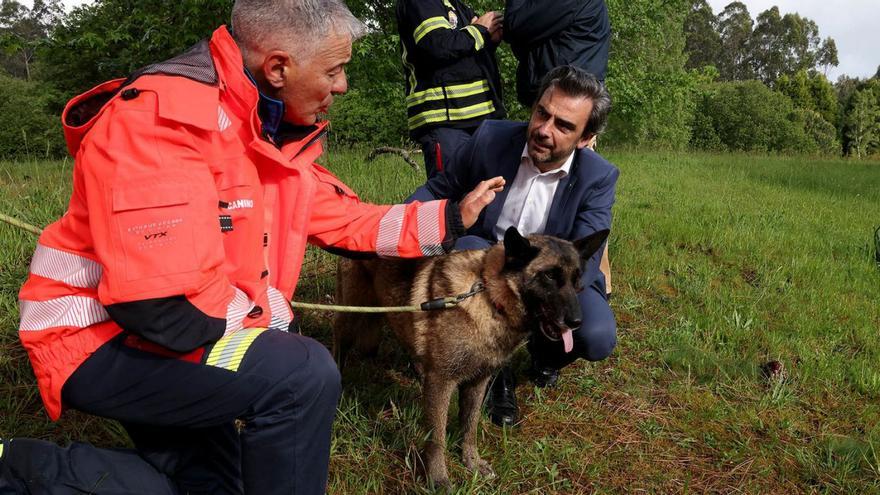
x,y
577,82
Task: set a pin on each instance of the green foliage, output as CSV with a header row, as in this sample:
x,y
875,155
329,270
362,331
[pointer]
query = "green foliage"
x,y
862,122
749,116
23,30
29,129
702,39
735,26
113,38
811,92
821,132
651,91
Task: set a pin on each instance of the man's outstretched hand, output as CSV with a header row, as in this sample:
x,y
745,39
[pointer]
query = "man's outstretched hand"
x,y
474,202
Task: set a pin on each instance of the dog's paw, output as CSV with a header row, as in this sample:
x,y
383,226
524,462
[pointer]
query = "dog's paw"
x,y
481,466
441,481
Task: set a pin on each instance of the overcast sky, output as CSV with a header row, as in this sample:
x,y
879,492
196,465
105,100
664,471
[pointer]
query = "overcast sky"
x,y
852,24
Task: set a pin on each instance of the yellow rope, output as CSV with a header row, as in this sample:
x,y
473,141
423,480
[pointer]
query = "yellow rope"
x,y
22,225
356,309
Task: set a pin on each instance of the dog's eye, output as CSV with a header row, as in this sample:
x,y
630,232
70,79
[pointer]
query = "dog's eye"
x,y
548,275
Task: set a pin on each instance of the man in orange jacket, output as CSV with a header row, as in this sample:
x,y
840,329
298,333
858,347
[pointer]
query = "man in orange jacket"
x,y
160,298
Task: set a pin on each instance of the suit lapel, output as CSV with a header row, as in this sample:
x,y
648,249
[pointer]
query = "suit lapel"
x,y
509,165
561,197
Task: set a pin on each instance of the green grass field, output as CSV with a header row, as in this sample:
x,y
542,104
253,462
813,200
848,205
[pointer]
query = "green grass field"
x,y
721,263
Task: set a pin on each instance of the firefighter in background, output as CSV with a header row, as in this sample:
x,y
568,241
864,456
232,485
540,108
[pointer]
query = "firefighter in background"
x,y
160,298
545,34
452,78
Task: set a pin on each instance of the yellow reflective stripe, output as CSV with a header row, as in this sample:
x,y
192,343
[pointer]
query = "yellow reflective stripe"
x,y
478,37
410,70
1,449
455,91
448,4
429,25
440,115
228,352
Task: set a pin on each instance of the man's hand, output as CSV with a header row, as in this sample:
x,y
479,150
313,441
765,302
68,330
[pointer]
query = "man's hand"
x,y
472,204
492,21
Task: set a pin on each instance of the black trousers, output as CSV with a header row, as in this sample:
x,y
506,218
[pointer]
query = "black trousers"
x,y
180,415
439,145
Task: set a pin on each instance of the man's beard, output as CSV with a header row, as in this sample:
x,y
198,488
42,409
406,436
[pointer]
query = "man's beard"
x,y
550,156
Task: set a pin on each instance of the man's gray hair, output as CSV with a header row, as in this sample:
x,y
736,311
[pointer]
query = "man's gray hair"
x,y
260,25
574,81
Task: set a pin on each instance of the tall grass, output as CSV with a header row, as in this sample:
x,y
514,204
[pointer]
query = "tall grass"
x,y
721,263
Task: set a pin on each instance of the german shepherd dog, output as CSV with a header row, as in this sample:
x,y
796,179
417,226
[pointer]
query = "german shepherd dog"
x,y
530,285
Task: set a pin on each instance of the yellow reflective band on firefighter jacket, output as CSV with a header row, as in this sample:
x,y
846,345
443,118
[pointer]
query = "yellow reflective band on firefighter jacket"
x,y
452,77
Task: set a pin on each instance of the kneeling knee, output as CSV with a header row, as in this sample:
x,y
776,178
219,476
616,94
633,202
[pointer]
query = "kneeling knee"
x,y
323,368
602,341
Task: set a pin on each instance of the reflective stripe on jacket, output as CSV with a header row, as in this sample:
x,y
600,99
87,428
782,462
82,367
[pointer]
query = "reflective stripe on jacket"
x,y
452,77
184,224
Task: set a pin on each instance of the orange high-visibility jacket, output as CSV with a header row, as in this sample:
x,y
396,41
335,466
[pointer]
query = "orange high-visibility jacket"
x,y
185,223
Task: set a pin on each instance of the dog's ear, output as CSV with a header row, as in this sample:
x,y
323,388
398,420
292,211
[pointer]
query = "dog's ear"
x,y
518,251
588,246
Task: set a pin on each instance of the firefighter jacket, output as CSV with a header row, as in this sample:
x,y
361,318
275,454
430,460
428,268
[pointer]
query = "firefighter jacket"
x,y
185,224
544,35
452,77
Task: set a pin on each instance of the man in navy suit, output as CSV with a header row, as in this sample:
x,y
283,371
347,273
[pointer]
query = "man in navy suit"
x,y
556,185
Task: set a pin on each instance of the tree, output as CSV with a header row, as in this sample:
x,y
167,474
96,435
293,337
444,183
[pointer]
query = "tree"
x,y
702,41
863,122
828,55
783,45
810,91
113,38
770,57
23,30
735,27
652,91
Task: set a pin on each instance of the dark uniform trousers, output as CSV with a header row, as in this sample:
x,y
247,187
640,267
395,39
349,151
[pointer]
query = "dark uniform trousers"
x,y
439,145
181,417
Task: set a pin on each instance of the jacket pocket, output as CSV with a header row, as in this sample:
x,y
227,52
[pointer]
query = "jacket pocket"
x,y
155,221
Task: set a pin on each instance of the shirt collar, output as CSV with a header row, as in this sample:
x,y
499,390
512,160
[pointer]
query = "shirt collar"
x,y
561,171
271,110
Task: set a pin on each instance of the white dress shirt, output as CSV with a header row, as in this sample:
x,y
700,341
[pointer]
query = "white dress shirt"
x,y
528,201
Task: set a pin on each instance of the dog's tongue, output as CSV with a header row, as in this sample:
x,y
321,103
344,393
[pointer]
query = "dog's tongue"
x,y
567,341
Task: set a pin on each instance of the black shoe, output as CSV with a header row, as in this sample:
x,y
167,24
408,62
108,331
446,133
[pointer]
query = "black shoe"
x,y
501,399
542,376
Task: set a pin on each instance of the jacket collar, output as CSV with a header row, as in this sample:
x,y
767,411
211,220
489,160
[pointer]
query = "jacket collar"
x,y
510,160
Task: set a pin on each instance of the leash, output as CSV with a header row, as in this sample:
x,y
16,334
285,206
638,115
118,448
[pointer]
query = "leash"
x,y
22,225
432,305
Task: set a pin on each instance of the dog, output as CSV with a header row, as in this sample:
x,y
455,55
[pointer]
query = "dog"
x,y
522,286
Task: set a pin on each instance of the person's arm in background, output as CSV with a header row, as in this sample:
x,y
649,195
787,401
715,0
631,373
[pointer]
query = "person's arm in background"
x,y
529,22
435,37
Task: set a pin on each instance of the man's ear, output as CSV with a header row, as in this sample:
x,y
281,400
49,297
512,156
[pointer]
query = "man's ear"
x,y
276,67
584,141
590,244
518,251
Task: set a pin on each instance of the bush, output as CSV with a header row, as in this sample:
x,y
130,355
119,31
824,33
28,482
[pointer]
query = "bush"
x,y
749,116
822,133
29,130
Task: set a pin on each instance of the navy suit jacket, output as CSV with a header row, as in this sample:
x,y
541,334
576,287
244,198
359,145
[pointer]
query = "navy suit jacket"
x,y
581,205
